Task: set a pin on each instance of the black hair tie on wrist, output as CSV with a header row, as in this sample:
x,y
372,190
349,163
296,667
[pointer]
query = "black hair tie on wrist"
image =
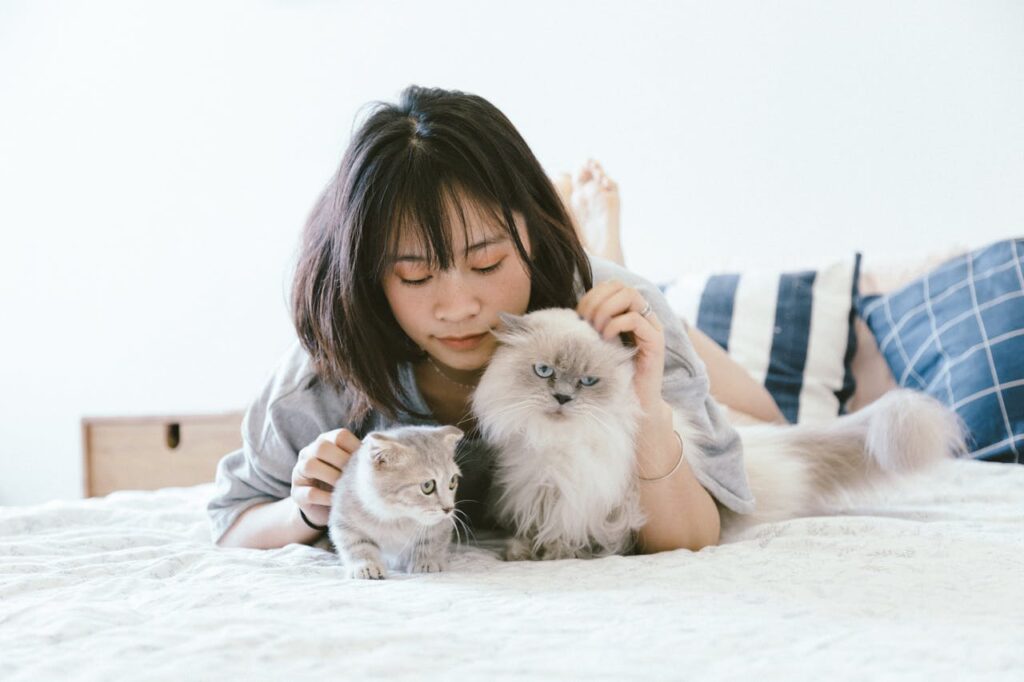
x,y
310,523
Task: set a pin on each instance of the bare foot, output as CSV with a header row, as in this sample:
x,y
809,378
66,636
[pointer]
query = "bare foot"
x,y
563,185
595,204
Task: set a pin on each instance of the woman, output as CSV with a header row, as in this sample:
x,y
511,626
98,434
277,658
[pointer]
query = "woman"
x,y
439,218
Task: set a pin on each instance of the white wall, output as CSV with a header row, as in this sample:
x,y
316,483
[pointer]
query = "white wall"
x,y
157,161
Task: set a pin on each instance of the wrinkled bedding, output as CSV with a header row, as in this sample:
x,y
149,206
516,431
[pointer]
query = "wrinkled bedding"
x,y
920,580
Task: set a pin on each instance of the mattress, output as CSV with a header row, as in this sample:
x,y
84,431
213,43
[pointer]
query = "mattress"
x,y
923,578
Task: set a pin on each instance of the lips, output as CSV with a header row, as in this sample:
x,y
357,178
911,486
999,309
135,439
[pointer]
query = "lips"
x,y
462,342
460,338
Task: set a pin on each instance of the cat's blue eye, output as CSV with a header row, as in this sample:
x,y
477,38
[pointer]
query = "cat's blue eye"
x,y
542,370
428,487
589,381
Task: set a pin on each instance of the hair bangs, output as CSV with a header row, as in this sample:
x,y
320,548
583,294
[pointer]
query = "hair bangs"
x,y
425,211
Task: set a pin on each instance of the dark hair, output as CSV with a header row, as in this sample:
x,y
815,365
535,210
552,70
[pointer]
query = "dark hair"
x,y
404,165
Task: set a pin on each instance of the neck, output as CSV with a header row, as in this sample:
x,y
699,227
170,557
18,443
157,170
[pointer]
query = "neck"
x,y
449,402
463,379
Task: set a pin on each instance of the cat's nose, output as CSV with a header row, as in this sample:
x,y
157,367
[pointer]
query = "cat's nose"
x,y
562,398
447,510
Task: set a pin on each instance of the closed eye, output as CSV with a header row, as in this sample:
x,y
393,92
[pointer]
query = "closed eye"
x,y
490,268
484,271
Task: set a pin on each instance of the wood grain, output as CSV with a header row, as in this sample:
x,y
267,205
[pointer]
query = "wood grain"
x,y
145,453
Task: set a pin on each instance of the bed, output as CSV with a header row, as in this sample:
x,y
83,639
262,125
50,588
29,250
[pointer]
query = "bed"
x,y
920,580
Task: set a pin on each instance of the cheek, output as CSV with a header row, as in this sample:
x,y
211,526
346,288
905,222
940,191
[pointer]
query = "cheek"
x,y
515,288
404,306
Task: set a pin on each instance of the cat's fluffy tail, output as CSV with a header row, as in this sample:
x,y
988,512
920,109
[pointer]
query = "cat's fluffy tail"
x,y
801,470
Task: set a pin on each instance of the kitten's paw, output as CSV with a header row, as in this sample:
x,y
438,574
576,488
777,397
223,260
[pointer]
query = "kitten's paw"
x,y
367,570
428,567
518,549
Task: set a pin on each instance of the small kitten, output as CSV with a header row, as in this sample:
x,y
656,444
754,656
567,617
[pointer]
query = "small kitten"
x,y
557,404
394,505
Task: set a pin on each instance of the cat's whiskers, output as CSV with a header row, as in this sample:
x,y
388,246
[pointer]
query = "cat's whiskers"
x,y
414,539
600,422
465,525
525,404
458,538
591,409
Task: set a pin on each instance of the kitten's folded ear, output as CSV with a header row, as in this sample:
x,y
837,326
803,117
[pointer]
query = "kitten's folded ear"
x,y
512,326
451,435
384,450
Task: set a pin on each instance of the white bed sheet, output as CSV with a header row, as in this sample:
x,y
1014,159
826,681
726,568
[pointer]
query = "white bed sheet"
x,y
923,580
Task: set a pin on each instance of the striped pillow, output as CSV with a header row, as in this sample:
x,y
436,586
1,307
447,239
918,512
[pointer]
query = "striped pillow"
x,y
957,333
793,331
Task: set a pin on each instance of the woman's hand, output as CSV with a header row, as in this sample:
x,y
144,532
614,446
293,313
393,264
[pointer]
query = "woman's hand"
x,y
317,471
611,308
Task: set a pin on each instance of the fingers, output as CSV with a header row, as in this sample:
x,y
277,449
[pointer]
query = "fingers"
x,y
344,439
321,462
612,299
317,471
333,448
310,496
645,329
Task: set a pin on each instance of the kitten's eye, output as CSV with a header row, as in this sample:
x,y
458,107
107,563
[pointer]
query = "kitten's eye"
x,y
454,482
427,487
589,381
542,370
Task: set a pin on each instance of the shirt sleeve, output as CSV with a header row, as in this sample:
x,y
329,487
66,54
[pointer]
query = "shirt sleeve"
x,y
291,411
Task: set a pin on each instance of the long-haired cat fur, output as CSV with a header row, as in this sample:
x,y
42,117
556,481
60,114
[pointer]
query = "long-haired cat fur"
x,y
557,404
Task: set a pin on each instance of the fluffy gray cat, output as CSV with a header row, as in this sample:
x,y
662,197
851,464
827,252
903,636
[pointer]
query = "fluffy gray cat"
x,y
394,505
557,404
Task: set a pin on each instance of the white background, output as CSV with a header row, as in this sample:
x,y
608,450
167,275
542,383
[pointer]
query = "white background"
x,y
157,161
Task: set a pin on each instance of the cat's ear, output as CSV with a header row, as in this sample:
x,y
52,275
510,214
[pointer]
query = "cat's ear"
x,y
512,326
451,435
384,450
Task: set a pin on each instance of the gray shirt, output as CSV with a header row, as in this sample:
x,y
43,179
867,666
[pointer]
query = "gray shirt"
x,y
295,407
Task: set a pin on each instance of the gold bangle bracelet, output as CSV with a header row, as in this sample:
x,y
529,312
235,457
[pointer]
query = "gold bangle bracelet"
x,y
675,468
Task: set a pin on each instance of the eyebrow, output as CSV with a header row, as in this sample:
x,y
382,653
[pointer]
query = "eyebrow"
x,y
475,247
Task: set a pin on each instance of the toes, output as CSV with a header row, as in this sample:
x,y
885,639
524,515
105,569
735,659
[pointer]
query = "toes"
x,y
563,185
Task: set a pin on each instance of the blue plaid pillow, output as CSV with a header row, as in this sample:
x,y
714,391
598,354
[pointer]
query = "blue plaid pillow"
x,y
958,334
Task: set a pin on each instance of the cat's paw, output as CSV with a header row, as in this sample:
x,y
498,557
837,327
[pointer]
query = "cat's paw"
x,y
367,570
518,549
428,566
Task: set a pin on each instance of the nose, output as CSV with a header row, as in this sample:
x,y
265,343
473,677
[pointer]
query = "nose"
x,y
562,398
447,510
456,300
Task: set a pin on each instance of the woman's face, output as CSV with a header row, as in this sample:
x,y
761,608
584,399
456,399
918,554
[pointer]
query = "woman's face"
x,y
438,309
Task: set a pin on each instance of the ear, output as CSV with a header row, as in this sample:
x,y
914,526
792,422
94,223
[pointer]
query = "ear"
x,y
384,450
451,435
512,326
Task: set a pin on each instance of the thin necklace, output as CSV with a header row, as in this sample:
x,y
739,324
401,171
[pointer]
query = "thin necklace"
x,y
448,378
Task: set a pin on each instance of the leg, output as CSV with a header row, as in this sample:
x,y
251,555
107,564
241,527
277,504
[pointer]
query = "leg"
x,y
360,555
429,553
733,386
